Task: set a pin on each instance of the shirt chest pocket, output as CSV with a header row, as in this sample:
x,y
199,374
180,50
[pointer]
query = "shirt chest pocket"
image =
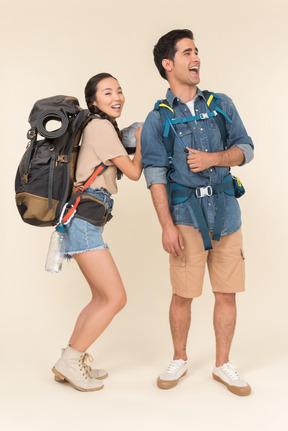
x,y
214,134
183,129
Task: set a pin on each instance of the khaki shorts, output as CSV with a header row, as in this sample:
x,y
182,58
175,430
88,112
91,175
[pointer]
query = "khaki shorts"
x,y
225,263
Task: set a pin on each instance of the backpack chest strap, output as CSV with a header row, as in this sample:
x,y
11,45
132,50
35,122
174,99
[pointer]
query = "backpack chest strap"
x,y
199,117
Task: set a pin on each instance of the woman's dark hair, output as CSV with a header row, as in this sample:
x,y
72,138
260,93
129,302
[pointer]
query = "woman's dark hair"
x,y
166,47
90,96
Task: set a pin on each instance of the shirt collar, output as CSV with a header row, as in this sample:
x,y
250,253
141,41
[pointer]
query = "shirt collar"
x,y
171,97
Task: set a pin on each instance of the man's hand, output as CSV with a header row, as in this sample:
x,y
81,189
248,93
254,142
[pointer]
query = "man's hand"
x,y
172,240
199,160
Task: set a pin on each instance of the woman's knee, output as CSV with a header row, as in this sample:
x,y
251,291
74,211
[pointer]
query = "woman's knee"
x,y
121,301
117,301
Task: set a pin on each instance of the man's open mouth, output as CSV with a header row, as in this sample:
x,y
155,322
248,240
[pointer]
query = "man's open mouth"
x,y
194,69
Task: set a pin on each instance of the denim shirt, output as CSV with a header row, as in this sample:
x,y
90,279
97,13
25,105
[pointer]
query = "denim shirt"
x,y
202,135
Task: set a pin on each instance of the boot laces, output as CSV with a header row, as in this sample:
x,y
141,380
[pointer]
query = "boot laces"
x,y
84,366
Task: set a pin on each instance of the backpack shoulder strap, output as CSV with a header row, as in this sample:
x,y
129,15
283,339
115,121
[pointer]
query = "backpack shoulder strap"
x,y
165,110
213,103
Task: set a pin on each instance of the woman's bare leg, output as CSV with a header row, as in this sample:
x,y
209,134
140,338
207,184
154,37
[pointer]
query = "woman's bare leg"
x,y
108,297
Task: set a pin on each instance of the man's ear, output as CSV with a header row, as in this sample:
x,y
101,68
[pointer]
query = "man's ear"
x,y
167,64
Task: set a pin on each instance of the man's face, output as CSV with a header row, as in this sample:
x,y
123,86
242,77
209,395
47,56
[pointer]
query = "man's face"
x,y
185,67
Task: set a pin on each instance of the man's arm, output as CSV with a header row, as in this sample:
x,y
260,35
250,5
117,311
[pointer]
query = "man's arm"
x,y
199,160
171,239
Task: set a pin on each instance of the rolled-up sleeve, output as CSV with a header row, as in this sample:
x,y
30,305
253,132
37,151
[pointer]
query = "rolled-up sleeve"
x,y
247,151
155,175
236,133
154,155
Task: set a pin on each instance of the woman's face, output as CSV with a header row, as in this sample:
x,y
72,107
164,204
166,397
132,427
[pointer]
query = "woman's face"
x,y
109,97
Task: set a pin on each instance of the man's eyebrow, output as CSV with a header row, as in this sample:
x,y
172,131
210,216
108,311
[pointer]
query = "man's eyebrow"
x,y
189,50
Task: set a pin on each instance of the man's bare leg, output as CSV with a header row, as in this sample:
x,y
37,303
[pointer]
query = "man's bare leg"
x,y
224,325
180,318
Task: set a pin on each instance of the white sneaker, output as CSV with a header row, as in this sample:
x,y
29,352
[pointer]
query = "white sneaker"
x,y
228,375
93,373
171,376
72,367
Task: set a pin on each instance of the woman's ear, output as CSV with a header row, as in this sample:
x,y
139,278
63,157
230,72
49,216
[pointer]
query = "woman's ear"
x,y
94,103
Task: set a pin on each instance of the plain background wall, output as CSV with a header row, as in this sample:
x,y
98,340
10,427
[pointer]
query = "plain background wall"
x,y
54,47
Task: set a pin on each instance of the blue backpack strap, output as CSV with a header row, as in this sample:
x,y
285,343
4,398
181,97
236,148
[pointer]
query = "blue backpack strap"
x,y
168,138
177,193
213,103
166,112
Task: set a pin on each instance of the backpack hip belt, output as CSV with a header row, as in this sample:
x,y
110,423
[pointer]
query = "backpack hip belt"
x,y
178,194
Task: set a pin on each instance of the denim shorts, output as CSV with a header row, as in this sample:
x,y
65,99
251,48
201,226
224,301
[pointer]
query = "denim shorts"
x,y
82,235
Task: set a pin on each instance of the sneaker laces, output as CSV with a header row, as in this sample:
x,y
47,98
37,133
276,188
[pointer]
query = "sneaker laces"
x,y
230,370
174,366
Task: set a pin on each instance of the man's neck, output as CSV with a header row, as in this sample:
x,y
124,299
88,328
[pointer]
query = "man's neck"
x,y
184,92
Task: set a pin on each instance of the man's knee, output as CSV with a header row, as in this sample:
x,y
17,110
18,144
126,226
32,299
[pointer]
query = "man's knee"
x,y
180,300
225,298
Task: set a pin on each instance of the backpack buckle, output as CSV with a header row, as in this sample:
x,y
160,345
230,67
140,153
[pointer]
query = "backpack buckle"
x,y
62,158
203,116
31,134
203,191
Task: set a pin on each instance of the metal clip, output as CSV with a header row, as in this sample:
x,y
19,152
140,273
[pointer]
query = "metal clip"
x,y
203,116
204,191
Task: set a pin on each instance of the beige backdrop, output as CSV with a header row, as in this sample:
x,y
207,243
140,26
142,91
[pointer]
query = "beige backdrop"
x,y
54,47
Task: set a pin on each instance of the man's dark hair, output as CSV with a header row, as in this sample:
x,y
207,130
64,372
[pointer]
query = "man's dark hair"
x,y
165,47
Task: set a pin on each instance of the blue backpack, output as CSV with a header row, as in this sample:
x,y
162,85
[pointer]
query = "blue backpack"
x,y
178,193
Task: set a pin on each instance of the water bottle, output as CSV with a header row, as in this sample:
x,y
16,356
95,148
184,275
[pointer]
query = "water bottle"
x,y
56,250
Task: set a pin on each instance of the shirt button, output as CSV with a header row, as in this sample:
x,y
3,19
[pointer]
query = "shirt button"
x,y
209,203
196,110
206,149
211,170
180,133
202,129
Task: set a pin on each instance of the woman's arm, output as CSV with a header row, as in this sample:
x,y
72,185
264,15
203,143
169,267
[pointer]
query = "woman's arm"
x,y
131,168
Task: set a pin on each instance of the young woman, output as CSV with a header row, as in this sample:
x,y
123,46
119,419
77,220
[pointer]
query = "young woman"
x,y
101,142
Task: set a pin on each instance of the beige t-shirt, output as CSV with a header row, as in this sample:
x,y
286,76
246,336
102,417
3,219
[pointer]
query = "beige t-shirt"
x,y
100,143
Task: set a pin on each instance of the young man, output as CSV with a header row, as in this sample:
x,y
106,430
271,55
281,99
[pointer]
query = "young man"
x,y
201,160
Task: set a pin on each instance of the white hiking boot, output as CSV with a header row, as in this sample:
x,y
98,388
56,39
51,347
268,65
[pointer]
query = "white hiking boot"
x,y
72,367
93,373
228,375
172,375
